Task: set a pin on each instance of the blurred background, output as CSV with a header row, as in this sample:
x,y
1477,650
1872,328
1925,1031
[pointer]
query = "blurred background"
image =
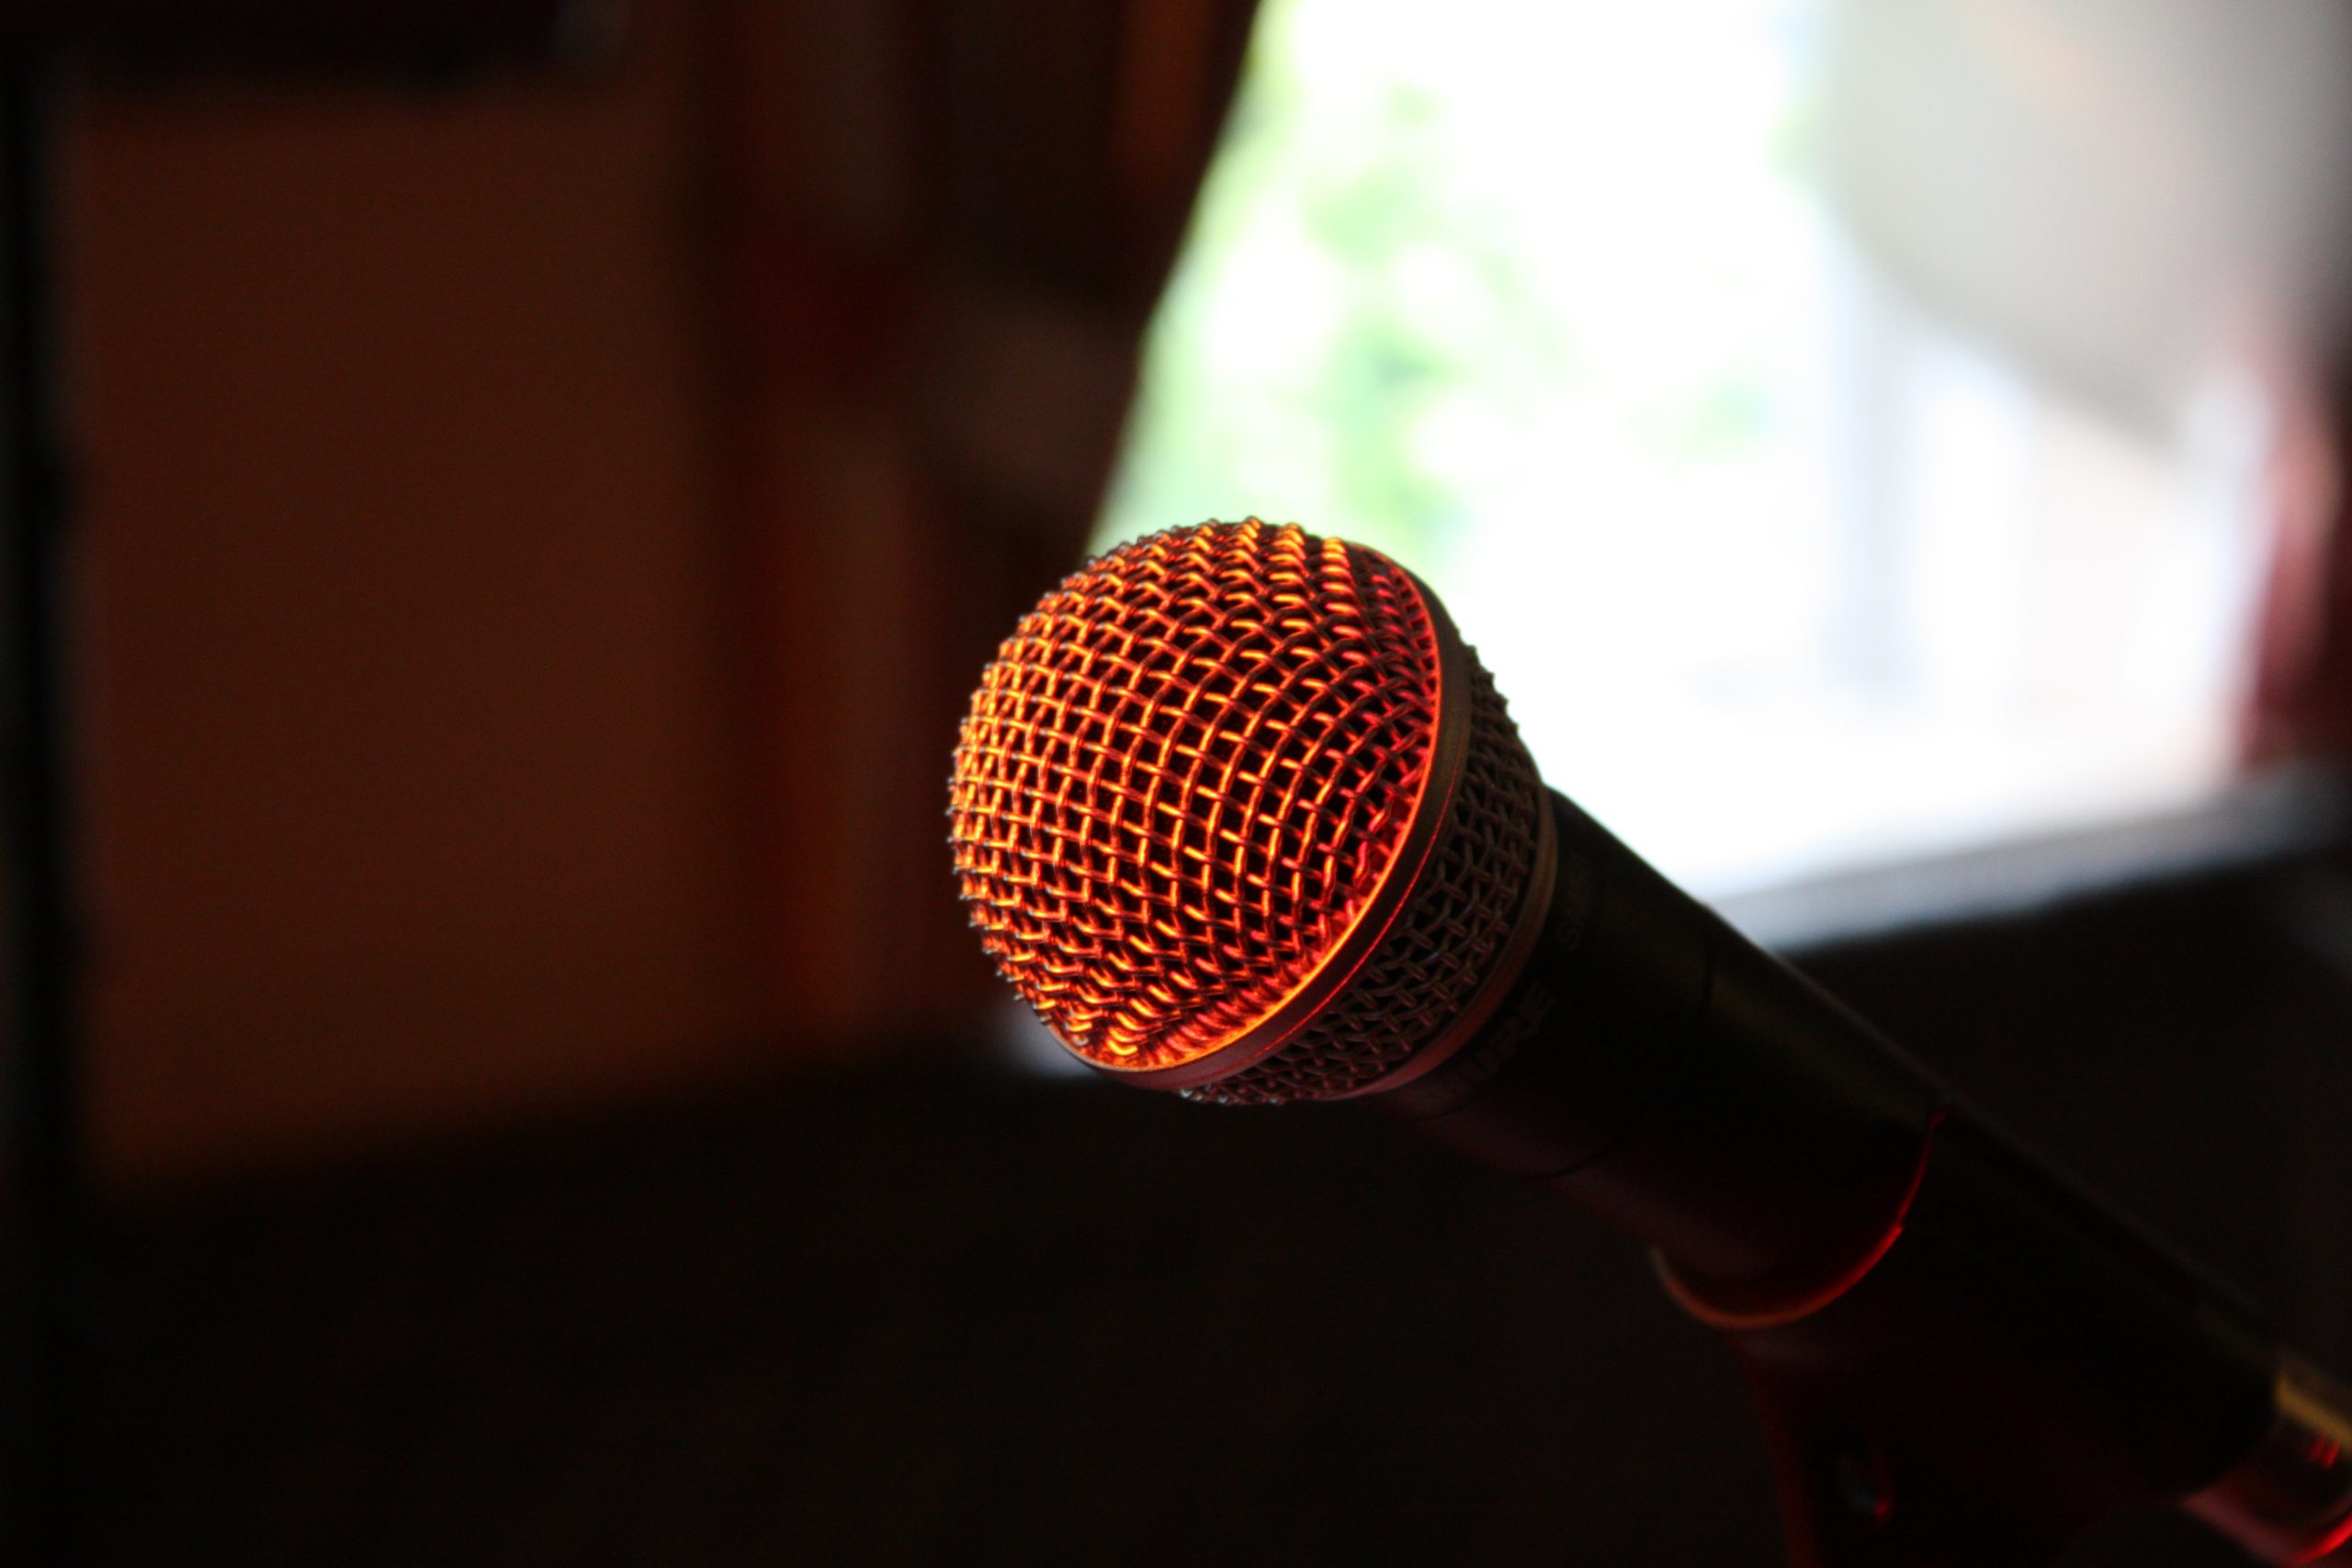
x,y
544,477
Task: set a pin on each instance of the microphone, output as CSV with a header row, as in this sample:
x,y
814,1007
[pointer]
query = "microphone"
x,y
1241,815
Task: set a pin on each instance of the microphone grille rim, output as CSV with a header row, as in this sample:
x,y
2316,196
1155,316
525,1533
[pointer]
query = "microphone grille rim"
x,y
1447,959
1113,772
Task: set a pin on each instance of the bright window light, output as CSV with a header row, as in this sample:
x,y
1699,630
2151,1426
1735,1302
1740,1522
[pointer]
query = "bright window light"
x,y
1778,578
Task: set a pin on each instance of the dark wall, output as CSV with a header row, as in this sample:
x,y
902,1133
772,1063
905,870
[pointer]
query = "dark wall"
x,y
413,790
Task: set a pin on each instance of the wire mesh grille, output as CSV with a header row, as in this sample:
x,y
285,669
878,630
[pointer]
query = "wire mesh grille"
x,y
1183,777
1443,942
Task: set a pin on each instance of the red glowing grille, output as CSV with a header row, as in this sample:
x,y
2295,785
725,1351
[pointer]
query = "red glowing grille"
x,y
1184,778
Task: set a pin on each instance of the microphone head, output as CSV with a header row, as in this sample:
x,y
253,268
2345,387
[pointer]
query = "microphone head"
x,y
1238,814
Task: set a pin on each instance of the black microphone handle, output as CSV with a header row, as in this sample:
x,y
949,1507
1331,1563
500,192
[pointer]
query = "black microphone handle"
x,y
1962,1356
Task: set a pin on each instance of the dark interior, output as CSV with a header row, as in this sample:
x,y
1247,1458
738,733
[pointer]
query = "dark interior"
x,y
515,498
928,1310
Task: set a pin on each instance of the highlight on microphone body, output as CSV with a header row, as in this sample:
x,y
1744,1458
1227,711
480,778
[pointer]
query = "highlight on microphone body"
x,y
1239,814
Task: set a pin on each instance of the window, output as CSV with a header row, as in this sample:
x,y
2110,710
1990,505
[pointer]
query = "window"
x,y
1779,577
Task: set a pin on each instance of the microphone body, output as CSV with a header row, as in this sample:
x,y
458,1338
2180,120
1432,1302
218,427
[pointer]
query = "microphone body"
x,y
2024,1360
1240,815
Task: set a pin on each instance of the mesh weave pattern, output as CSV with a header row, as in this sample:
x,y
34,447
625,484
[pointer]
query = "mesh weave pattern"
x,y
1183,776
1443,943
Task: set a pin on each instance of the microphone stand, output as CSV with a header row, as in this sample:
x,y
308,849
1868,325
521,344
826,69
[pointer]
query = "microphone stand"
x,y
1930,1407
